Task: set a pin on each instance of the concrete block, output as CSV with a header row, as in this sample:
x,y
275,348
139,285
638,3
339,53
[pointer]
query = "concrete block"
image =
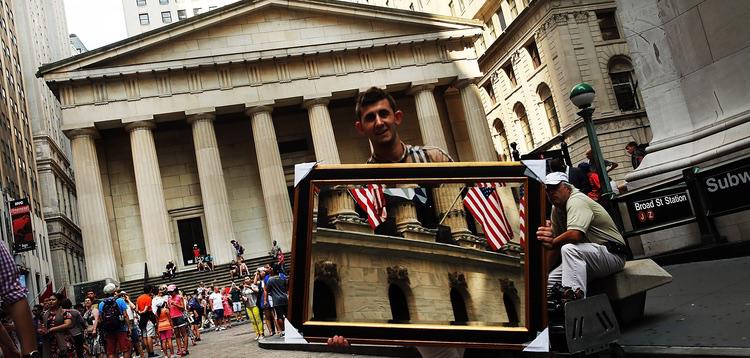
x,y
637,277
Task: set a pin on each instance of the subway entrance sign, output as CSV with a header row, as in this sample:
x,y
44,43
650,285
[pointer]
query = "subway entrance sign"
x,y
725,188
659,207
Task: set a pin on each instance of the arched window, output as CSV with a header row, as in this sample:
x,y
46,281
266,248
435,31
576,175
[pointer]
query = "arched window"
x,y
520,111
460,315
624,83
324,302
502,139
545,95
399,305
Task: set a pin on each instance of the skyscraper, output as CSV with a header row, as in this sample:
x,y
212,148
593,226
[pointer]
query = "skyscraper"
x,y
43,38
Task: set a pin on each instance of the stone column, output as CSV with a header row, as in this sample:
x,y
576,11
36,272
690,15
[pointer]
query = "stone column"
x,y
273,183
446,205
213,188
157,232
476,122
429,117
93,221
322,131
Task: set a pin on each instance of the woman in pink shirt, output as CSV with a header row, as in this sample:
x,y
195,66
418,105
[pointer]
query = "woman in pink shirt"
x,y
177,313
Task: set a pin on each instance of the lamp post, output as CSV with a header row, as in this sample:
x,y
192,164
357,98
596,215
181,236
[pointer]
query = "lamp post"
x,y
582,95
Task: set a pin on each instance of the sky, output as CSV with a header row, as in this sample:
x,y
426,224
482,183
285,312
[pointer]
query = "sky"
x,y
96,22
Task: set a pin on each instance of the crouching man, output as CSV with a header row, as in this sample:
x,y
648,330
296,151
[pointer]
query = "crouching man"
x,y
581,236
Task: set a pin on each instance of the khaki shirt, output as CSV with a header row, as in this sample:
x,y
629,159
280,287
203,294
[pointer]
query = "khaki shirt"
x,y
587,216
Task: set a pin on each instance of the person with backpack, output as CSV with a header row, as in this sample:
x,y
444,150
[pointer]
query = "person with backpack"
x,y
114,323
196,311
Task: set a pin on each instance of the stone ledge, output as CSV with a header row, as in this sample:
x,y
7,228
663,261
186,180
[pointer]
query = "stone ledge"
x,y
637,277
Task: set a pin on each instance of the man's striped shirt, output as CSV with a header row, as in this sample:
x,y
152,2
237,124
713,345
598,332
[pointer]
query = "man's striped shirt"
x,y
417,154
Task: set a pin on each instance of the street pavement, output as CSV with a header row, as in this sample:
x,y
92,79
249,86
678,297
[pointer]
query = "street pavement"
x,y
704,310
238,341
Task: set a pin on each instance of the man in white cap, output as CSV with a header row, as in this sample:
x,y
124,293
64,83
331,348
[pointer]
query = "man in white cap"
x,y
584,236
114,323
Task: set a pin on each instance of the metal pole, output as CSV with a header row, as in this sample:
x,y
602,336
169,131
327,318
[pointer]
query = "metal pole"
x,y
601,170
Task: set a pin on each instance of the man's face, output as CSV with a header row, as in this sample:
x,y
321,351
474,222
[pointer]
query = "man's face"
x,y
379,122
558,194
589,154
630,149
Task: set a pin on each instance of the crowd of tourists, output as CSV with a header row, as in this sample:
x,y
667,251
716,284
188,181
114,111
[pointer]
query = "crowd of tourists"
x,y
162,319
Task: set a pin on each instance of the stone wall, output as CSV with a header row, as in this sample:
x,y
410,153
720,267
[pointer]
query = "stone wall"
x,y
363,262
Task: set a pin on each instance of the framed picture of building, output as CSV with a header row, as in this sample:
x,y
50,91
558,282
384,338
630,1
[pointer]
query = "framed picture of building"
x,y
418,254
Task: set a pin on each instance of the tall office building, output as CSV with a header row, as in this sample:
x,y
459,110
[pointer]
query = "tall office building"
x,y
145,15
18,172
43,38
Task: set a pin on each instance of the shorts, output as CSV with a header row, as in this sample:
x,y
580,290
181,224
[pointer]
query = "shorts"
x,y
197,320
237,306
146,317
165,335
219,313
280,311
116,342
135,334
178,322
150,329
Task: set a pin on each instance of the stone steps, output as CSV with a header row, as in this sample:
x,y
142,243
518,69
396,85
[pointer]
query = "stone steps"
x,y
188,280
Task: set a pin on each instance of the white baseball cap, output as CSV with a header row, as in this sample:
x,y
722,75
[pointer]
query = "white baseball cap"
x,y
555,178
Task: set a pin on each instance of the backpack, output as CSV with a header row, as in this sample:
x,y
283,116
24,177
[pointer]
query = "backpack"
x,y
194,305
110,316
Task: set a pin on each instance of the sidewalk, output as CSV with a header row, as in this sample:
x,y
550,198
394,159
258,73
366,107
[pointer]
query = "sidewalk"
x,y
704,311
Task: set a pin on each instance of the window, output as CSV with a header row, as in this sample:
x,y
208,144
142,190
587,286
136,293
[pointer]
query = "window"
x,y
491,29
196,10
163,2
608,25
181,14
624,84
513,8
166,17
534,54
502,139
545,95
511,75
144,19
520,111
501,18
140,2
490,91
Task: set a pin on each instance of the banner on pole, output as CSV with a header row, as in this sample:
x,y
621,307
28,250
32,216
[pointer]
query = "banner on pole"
x,y
23,233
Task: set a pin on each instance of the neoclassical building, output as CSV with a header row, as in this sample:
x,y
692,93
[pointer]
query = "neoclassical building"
x,y
188,134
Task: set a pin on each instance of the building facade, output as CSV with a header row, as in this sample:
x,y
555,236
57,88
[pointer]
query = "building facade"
x,y
45,39
18,169
145,15
189,134
691,62
531,54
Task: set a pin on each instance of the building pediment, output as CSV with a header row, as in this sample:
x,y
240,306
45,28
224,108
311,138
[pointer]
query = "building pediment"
x,y
262,29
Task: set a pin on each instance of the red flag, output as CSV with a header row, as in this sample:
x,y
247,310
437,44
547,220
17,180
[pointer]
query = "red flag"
x,y
46,294
372,200
485,205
